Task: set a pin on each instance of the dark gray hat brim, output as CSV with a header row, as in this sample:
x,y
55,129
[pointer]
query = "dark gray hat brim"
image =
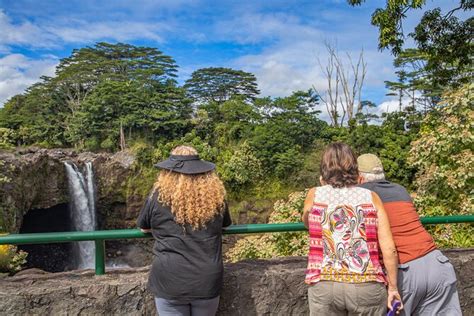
x,y
186,165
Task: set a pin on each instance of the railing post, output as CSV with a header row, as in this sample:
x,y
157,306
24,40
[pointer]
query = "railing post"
x,y
99,257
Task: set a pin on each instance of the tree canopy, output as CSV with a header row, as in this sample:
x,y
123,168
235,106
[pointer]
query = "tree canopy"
x,y
217,84
389,20
442,58
97,93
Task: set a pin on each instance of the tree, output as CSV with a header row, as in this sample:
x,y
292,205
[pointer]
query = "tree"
x,y
117,109
220,84
344,87
413,81
100,95
77,75
447,47
443,57
235,121
37,117
389,20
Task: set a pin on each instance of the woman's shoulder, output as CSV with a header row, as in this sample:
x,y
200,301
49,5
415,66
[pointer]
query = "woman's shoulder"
x,y
314,190
311,191
154,201
319,191
153,196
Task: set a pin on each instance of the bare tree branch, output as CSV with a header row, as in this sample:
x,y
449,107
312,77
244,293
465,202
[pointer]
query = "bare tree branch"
x,y
344,85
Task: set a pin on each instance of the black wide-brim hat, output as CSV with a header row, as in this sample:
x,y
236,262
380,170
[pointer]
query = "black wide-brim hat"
x,y
187,164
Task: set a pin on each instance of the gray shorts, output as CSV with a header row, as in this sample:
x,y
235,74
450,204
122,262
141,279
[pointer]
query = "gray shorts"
x,y
328,298
204,307
428,286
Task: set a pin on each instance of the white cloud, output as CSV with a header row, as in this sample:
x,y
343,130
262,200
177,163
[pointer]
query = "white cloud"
x,y
393,105
282,70
257,27
51,34
25,33
17,72
389,106
84,32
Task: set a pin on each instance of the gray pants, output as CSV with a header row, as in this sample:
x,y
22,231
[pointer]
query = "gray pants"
x,y
328,298
186,308
428,286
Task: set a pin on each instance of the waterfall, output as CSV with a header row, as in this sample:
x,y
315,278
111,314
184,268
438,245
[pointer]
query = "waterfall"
x,y
91,192
82,205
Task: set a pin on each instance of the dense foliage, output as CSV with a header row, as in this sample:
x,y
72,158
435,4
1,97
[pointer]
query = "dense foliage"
x,y
443,155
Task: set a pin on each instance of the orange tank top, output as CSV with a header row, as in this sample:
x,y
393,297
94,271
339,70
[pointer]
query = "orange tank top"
x,y
410,237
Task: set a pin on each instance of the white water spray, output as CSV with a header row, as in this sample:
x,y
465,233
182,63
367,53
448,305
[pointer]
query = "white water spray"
x,y
82,194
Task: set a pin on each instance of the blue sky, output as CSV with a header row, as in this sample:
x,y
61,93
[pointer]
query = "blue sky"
x,y
279,41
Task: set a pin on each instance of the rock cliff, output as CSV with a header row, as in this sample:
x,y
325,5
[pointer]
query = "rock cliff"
x,y
258,287
35,178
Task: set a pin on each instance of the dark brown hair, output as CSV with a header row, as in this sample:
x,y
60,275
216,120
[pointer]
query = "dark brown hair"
x,y
339,166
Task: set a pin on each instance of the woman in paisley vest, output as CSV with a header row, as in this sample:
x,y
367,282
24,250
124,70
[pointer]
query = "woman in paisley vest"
x,y
348,234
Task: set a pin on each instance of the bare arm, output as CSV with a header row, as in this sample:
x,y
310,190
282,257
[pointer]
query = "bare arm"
x,y
389,251
308,204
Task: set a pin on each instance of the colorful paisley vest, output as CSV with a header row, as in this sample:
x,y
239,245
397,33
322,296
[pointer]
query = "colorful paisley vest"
x,y
343,243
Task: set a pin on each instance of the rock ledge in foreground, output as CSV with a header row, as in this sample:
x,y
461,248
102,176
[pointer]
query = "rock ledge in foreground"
x,y
253,287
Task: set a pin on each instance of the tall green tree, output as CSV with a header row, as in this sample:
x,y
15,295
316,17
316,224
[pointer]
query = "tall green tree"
x,y
217,84
446,45
413,81
133,109
77,75
100,94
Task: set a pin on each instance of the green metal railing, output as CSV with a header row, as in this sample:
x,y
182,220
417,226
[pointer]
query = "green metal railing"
x,y
100,236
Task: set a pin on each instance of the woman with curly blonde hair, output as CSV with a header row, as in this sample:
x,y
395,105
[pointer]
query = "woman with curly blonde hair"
x,y
185,214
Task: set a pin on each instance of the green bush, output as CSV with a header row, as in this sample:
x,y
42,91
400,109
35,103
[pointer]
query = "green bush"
x,y
11,260
143,152
445,161
275,244
240,167
7,137
109,144
206,151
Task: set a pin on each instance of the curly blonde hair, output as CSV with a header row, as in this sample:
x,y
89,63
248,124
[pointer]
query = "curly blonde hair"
x,y
194,199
